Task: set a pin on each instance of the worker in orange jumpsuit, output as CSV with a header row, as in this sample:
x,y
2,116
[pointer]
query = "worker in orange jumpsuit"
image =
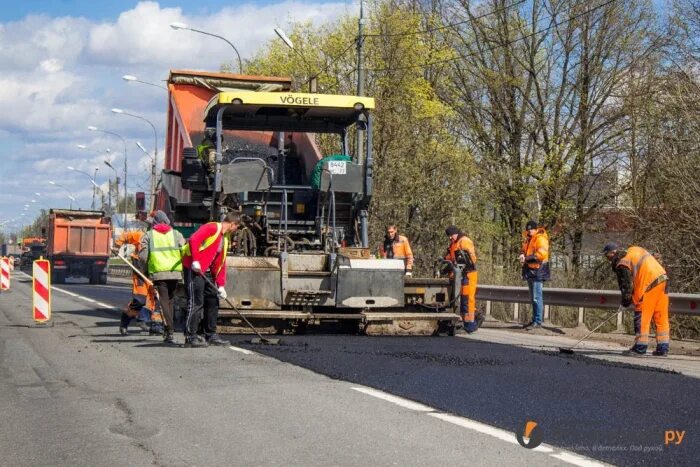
x,y
143,301
643,283
534,260
396,246
461,251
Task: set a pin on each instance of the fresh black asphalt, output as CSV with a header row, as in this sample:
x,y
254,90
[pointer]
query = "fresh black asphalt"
x,y
608,411
612,412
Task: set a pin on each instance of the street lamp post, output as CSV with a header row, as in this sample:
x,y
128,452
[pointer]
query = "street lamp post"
x,y
126,199
134,79
155,146
95,186
184,26
288,42
116,178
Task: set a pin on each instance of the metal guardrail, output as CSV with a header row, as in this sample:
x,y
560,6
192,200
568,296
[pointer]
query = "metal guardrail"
x,y
119,270
684,304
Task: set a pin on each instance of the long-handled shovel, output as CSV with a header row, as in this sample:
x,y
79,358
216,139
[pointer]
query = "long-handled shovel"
x,y
570,350
258,340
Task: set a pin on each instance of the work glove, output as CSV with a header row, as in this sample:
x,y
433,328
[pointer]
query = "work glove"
x,y
409,273
222,293
196,267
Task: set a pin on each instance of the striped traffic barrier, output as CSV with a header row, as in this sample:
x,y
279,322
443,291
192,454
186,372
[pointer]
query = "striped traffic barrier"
x,y
5,274
41,285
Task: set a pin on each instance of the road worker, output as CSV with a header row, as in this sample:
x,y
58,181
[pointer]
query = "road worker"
x,y
204,255
396,246
142,305
534,260
206,149
461,251
643,284
161,257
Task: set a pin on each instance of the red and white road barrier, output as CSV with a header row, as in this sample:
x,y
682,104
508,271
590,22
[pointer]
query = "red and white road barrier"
x,y
41,282
5,274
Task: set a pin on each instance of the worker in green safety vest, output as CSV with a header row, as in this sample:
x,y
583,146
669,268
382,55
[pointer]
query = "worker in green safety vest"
x,y
160,254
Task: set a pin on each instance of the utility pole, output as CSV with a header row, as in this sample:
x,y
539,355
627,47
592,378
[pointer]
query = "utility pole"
x,y
364,229
94,189
360,78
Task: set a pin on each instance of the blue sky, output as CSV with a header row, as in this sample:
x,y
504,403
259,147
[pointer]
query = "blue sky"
x,y
104,10
61,63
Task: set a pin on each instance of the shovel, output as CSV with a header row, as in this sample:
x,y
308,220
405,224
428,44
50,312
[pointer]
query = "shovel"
x,y
147,281
570,350
256,340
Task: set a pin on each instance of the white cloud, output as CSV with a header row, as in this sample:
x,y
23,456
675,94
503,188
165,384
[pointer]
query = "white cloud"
x,y
59,75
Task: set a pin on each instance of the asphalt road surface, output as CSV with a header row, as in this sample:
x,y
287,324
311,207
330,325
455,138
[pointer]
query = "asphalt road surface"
x,y
78,393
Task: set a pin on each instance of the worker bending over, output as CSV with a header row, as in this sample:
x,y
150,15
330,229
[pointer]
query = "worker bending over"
x,y
396,246
644,284
142,300
205,255
461,251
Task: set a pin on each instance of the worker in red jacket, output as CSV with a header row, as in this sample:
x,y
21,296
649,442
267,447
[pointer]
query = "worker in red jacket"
x,y
205,254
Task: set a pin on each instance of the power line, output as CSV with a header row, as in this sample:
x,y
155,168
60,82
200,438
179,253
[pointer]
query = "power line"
x,y
510,42
408,33
332,62
448,26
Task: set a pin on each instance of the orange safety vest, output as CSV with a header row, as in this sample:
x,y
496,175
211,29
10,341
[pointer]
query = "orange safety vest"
x,y
402,250
465,244
537,245
646,271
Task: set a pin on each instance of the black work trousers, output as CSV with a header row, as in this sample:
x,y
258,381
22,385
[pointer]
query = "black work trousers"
x,y
202,304
166,294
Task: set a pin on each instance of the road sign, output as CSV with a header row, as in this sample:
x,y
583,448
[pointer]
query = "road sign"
x,y
5,274
41,284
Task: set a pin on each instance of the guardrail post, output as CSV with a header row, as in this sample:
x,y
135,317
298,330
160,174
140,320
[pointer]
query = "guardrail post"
x,y
516,312
581,316
546,315
620,325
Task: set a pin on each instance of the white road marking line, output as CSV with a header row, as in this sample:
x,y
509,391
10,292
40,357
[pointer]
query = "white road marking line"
x,y
243,351
400,401
503,435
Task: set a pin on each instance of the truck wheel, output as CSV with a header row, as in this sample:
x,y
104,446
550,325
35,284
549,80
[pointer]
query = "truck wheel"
x,y
59,277
103,278
95,278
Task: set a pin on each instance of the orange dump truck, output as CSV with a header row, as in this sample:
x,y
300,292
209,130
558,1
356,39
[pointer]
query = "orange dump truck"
x,y
79,245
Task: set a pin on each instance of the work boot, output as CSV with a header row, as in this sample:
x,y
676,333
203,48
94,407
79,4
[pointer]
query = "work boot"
x,y
480,317
123,331
634,352
214,339
168,338
156,329
195,341
660,353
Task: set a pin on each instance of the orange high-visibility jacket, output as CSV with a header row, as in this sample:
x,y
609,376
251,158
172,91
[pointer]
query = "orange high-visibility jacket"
x,y
465,244
536,249
133,237
402,250
646,271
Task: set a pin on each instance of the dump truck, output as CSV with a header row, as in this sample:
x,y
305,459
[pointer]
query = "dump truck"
x,y
285,162
79,245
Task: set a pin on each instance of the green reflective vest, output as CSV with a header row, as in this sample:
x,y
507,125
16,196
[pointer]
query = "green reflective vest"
x,y
163,253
